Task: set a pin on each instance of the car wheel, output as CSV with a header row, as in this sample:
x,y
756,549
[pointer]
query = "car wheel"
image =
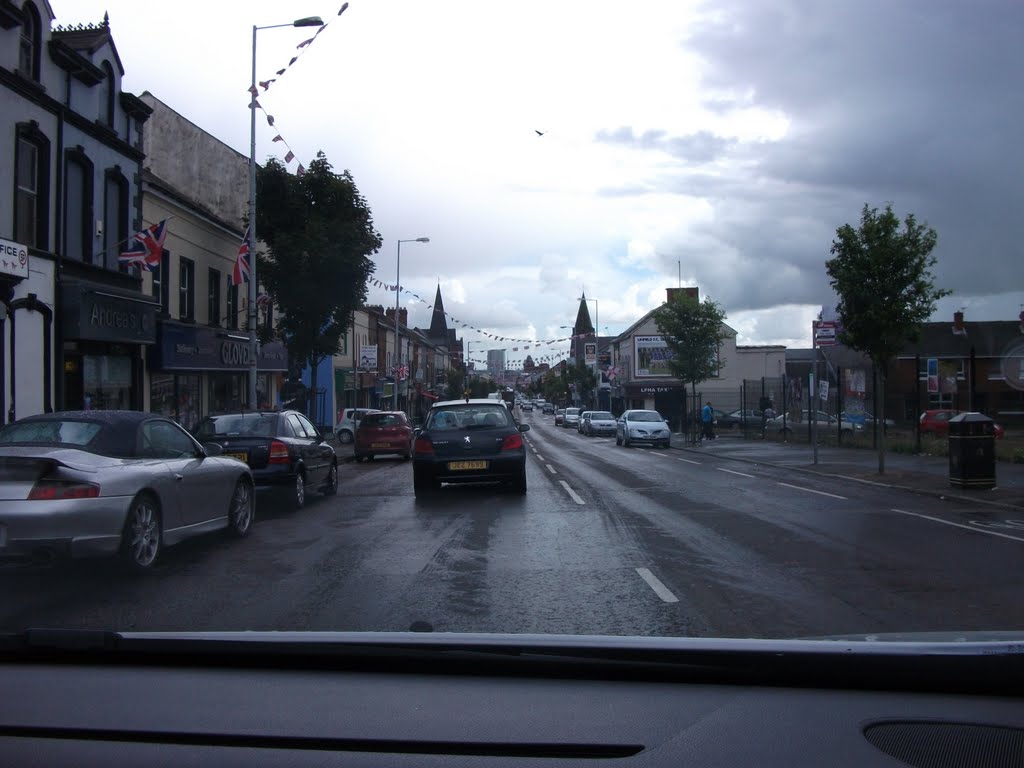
x,y
299,491
345,436
143,538
241,511
519,485
422,486
331,486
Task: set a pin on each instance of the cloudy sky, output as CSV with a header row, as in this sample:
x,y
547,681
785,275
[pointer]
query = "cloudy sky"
x,y
718,144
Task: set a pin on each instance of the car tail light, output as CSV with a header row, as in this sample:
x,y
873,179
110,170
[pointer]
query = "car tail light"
x,y
423,447
512,442
278,453
56,490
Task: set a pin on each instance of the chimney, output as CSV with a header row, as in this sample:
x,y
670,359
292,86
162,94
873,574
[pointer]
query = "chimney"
x,y
958,323
403,316
671,293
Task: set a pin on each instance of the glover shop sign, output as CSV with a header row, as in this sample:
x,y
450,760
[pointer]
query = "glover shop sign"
x,y
198,348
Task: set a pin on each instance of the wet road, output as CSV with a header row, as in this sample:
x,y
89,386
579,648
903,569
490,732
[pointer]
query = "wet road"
x,y
608,540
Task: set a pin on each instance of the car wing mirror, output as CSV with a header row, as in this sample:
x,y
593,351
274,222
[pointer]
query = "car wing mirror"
x,y
212,449
524,427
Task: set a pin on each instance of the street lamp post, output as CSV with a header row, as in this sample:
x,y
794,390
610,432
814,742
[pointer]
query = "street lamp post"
x,y
398,348
308,21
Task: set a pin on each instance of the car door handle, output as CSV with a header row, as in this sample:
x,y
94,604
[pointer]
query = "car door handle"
x,y
178,478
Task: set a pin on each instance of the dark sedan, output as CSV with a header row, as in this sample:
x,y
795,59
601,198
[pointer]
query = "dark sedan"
x,y
282,448
469,441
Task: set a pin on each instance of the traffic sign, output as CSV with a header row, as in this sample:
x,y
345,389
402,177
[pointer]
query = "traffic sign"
x,y
825,333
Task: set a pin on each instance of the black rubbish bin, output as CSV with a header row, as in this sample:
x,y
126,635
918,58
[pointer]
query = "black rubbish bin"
x,y
972,451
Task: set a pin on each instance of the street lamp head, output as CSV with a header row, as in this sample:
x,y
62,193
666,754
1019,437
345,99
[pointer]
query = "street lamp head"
x,y
308,21
422,239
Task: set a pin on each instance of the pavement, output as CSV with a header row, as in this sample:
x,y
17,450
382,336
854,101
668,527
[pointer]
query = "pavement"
x,y
917,473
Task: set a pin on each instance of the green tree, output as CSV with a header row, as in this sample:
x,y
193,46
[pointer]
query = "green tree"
x,y
693,331
882,276
582,378
319,232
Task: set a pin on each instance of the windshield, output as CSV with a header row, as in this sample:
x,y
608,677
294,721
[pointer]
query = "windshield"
x,y
769,246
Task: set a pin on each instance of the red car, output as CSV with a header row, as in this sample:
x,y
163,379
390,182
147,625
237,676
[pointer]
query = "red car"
x,y
936,422
383,432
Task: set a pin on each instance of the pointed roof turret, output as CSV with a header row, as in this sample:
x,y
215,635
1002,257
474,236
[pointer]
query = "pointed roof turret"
x,y
438,322
583,322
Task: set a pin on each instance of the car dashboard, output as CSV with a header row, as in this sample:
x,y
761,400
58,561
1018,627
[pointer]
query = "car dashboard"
x,y
418,699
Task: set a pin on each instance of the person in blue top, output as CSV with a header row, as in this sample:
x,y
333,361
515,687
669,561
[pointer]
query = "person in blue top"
x,y
707,416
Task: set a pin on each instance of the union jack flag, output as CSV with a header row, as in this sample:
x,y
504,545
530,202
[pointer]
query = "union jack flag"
x,y
242,271
145,248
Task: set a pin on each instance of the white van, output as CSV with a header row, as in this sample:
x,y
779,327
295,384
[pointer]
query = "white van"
x,y
345,429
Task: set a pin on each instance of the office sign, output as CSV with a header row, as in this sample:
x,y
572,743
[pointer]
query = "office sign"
x,y
13,259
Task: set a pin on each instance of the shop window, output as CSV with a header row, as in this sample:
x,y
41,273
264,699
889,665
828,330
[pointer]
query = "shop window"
x,y
115,218
186,290
106,382
31,186
213,297
29,42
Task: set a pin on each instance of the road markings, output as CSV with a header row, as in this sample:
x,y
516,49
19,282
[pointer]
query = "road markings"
x,y
691,461
655,453
655,583
959,525
733,472
811,490
553,470
571,492
538,455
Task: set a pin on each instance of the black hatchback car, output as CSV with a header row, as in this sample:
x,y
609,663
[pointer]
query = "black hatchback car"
x,y
469,441
282,448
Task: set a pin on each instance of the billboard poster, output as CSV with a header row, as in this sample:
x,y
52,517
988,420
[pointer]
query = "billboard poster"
x,y
368,357
933,375
652,355
590,353
853,398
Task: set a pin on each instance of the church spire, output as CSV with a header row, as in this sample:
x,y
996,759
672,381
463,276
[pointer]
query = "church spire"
x,y
438,322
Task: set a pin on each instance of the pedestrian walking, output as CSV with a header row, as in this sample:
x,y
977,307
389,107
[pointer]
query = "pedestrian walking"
x,y
707,416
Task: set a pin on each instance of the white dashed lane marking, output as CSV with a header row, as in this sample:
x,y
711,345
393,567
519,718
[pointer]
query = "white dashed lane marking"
x,y
733,472
575,496
811,490
655,583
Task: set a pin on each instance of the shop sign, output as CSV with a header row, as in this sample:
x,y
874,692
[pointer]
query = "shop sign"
x,y
13,259
92,313
186,348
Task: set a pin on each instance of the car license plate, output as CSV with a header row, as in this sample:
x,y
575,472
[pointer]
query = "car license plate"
x,y
238,456
379,445
457,465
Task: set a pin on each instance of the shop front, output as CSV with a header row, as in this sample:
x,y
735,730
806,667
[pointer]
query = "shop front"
x,y
104,333
196,370
667,399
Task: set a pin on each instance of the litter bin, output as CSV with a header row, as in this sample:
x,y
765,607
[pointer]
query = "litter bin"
x,y
972,451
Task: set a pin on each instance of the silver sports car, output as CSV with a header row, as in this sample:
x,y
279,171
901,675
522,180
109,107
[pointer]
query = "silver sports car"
x,y
81,483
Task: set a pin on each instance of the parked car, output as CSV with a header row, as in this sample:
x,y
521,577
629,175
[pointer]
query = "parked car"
x,y
384,432
596,423
869,420
83,483
739,419
936,422
785,424
560,417
579,421
469,441
572,417
641,426
547,408
345,429
282,448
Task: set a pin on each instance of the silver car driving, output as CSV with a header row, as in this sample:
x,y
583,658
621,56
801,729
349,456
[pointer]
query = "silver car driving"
x,y
81,483
598,423
641,426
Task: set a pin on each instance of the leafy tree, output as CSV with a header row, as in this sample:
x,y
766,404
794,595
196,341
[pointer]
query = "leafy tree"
x,y
692,330
582,378
881,274
459,383
320,236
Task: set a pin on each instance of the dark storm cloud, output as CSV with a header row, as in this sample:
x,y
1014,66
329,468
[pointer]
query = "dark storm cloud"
x,y
914,102
700,147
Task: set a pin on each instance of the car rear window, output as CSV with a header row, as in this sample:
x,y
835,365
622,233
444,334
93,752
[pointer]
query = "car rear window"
x,y
601,416
381,420
51,432
238,425
468,417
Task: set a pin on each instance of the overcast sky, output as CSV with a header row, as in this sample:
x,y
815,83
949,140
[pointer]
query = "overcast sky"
x,y
719,143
